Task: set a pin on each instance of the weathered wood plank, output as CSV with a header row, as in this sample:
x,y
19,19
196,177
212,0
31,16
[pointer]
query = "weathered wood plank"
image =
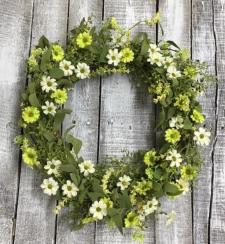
x,y
15,21
203,48
35,220
127,115
217,217
176,21
84,101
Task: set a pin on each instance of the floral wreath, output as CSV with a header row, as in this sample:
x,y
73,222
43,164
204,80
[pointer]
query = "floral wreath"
x,y
124,192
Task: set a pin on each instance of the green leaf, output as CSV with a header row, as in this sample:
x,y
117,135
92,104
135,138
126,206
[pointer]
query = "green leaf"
x,y
171,112
31,87
49,135
43,42
171,189
157,188
56,73
69,168
187,124
144,46
59,117
46,57
77,144
162,117
65,83
116,216
75,177
34,100
124,200
172,43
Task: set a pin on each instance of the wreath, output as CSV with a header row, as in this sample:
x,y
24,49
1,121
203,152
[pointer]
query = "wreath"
x,y
124,192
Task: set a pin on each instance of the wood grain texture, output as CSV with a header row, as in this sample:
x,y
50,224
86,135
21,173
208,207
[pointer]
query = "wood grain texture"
x,y
176,21
35,219
15,21
217,217
127,115
203,48
84,101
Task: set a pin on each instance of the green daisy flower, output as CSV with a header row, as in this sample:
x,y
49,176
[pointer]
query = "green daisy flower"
x,y
30,114
197,116
30,156
60,96
172,136
83,40
127,55
188,172
57,53
142,187
132,220
183,103
150,157
150,173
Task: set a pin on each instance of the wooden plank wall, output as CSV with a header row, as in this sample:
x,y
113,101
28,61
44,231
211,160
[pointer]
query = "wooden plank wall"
x,y
110,114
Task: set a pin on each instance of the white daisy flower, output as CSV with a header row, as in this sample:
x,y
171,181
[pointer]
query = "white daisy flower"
x,y
202,137
176,122
82,70
48,84
156,58
66,67
98,209
168,61
153,48
52,166
173,73
151,206
174,157
114,57
124,182
87,167
170,217
120,39
49,108
70,189
50,186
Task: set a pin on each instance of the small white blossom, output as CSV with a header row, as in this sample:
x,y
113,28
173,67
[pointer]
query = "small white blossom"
x,y
202,137
52,166
48,84
49,108
82,70
98,209
151,206
176,122
153,48
174,157
168,61
87,167
50,186
66,67
170,217
114,57
70,189
183,185
124,182
173,73
156,58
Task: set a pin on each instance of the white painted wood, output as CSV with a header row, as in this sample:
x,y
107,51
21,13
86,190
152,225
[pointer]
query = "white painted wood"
x,y
176,21
217,218
127,114
203,48
35,220
84,101
15,20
